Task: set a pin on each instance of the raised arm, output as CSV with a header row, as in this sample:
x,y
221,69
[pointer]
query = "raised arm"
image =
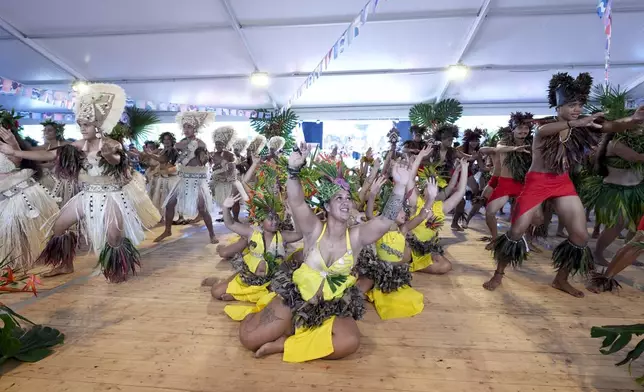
x,y
17,154
422,154
369,181
426,212
370,232
303,216
251,170
236,227
625,123
373,193
291,236
455,198
449,189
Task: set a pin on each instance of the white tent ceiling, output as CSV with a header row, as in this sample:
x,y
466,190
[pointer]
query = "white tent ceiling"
x,y
188,52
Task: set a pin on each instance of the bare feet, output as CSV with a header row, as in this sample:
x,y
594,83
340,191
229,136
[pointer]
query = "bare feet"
x,y
271,348
495,282
163,236
62,270
593,288
213,239
209,282
567,288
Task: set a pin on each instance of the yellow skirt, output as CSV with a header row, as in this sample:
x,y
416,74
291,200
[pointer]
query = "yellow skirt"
x,y
420,262
402,303
245,293
308,344
239,312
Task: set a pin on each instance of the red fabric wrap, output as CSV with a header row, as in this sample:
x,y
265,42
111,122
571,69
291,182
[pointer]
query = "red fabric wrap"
x,y
494,182
641,225
506,187
540,187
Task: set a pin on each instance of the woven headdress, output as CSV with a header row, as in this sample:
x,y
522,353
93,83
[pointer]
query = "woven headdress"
x,y
520,118
58,127
100,104
334,176
564,89
224,135
276,143
257,145
197,120
240,144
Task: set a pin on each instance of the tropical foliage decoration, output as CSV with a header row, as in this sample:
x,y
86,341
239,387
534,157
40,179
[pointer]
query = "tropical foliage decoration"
x,y
277,124
616,337
432,115
137,127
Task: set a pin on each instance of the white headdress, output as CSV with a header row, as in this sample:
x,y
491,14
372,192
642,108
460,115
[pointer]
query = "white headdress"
x,y
276,143
257,145
100,104
224,135
240,144
197,120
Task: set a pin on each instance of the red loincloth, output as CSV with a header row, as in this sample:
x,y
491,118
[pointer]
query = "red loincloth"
x,y
540,187
494,181
506,187
641,225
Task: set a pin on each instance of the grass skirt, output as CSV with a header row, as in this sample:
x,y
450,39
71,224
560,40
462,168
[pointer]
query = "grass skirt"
x,y
25,206
612,201
192,185
159,189
62,190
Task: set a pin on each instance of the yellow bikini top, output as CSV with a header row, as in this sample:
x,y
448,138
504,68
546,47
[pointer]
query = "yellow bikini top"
x,y
254,253
314,273
391,247
422,232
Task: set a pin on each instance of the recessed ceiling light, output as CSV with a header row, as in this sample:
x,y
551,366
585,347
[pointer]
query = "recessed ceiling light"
x,y
80,86
260,79
457,72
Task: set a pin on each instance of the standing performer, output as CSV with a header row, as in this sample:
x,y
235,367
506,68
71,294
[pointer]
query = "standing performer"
x,y
164,173
321,301
224,170
471,146
617,194
25,206
61,189
558,144
239,146
416,144
513,154
190,196
111,208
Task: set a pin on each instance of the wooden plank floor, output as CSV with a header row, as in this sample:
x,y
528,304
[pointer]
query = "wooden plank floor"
x,y
161,332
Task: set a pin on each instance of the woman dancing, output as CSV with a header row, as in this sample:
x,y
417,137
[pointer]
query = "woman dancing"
x,y
62,189
163,175
313,315
111,208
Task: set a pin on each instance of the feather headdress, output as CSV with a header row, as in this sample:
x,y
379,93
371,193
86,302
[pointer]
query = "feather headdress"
x,y
564,89
58,127
197,120
224,135
473,134
520,118
276,143
240,144
417,129
445,130
100,104
257,145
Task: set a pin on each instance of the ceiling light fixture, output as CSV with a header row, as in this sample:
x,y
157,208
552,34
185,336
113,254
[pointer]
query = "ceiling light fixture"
x,y
80,86
457,72
259,79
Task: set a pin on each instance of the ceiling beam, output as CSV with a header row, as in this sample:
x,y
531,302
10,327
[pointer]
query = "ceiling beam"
x,y
40,50
236,26
530,68
630,7
469,40
633,84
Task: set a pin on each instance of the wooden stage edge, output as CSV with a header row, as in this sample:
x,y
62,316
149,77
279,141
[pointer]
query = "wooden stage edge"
x,y
162,332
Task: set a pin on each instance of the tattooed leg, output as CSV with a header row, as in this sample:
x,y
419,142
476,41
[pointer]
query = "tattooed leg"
x,y
273,322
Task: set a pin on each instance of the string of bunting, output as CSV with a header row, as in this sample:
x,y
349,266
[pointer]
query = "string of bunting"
x,y
65,100
345,40
604,10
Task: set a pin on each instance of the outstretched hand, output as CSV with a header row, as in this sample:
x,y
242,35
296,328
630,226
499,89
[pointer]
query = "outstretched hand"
x,y
401,173
377,185
638,116
425,151
522,149
588,121
231,201
7,149
431,190
298,156
7,136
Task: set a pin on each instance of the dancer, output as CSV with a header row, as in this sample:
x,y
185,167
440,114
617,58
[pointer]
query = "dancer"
x,y
190,196
25,206
224,170
470,147
239,146
623,258
513,154
321,301
111,208
163,176
413,146
262,256
617,193
60,188
558,144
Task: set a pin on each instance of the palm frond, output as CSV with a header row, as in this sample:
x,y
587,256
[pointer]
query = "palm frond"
x,y
277,124
140,121
616,337
431,115
610,100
